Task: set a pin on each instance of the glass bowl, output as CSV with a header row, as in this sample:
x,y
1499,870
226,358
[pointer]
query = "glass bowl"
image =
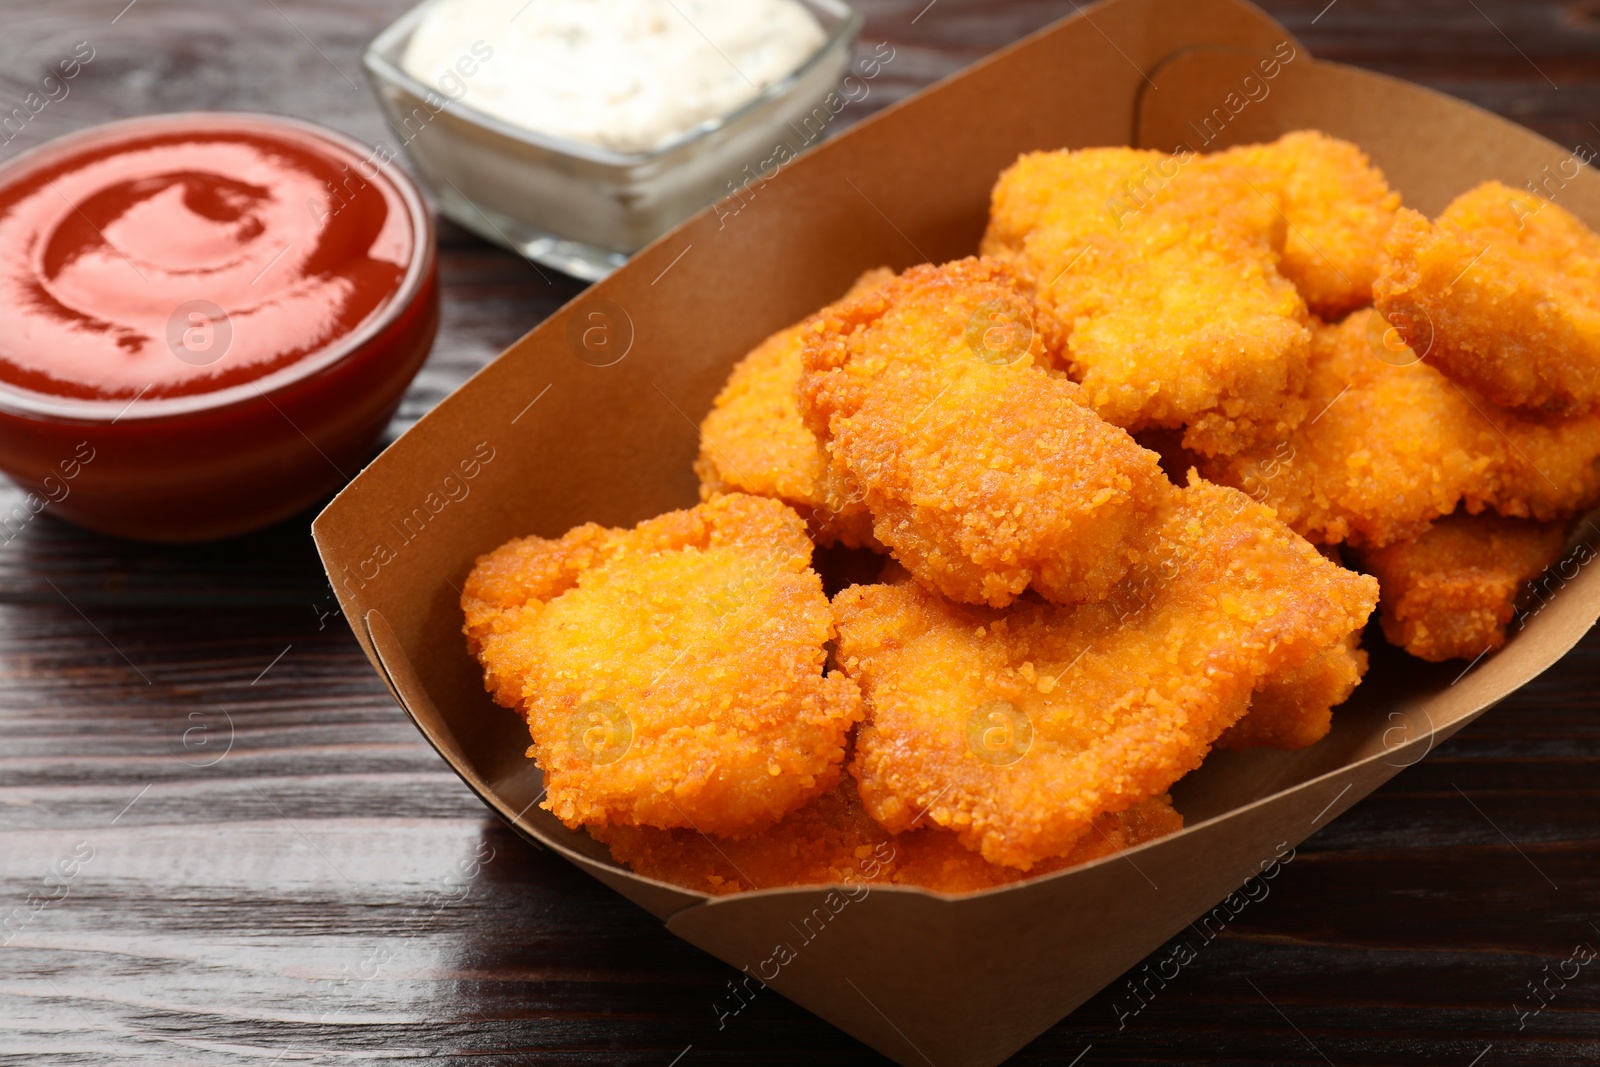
x,y
580,208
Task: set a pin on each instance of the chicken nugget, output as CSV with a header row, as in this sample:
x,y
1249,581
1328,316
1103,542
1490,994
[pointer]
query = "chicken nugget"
x,y
754,440
1503,295
984,471
671,675
935,858
1017,728
1545,467
1338,208
1165,271
1450,593
1294,709
833,841
1046,200
1392,445
830,841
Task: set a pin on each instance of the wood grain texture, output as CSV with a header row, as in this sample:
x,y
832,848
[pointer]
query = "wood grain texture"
x,y
269,866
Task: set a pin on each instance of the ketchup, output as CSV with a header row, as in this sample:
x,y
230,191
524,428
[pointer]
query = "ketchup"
x,y
207,320
187,261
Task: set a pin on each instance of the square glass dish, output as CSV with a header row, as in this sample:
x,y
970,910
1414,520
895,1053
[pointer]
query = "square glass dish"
x,y
581,208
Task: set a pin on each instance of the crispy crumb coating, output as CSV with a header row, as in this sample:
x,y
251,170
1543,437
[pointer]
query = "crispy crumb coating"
x,y
833,841
1045,195
1392,445
671,675
1503,295
1017,728
754,439
1450,593
1294,709
984,471
1165,270
1338,207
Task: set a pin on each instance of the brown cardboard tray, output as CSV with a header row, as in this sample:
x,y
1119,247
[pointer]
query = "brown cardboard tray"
x,y
593,417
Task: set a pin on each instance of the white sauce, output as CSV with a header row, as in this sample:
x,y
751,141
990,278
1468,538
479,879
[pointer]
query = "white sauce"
x,y
629,75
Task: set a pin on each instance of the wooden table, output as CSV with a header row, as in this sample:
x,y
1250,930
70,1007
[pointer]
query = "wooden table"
x,y
270,866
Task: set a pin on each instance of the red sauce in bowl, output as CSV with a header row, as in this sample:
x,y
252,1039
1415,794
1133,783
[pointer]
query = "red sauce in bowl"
x,y
187,261
224,309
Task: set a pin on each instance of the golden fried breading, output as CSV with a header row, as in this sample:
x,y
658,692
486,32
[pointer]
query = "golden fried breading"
x,y
833,841
1295,709
1450,593
754,440
671,675
1339,209
1045,199
1165,270
984,472
1392,445
1502,295
1017,728
936,859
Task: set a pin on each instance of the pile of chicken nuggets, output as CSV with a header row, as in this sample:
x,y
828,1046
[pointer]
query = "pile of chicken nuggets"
x,y
1109,489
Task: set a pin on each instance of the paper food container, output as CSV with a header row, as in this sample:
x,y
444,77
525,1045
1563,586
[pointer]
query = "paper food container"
x,y
592,417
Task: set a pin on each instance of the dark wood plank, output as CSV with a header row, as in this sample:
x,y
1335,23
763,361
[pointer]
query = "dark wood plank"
x,y
270,866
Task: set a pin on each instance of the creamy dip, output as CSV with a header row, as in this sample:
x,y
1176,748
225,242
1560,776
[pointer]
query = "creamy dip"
x,y
628,75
